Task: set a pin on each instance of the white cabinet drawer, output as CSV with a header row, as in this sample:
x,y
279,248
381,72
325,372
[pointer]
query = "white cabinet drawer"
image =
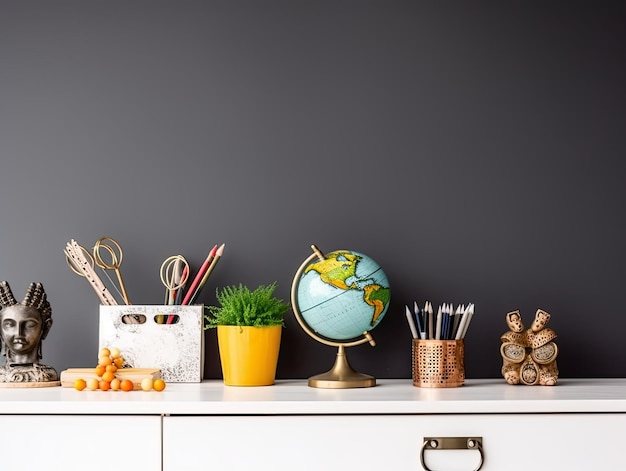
x,y
392,442
80,442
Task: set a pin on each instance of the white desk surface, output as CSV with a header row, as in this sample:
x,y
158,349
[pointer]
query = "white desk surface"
x,y
389,396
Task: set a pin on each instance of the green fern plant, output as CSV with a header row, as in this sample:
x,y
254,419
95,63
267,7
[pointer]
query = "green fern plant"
x,y
238,305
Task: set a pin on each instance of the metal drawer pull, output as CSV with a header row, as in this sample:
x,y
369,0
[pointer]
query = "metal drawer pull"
x,y
452,443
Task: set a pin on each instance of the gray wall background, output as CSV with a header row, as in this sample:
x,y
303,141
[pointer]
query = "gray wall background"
x,y
476,151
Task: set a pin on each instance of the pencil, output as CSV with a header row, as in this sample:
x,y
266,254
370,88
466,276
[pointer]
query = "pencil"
x,y
470,314
431,333
460,333
438,327
409,318
216,258
455,321
419,319
199,276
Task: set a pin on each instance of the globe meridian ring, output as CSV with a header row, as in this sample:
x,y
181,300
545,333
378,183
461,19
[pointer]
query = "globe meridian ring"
x,y
351,297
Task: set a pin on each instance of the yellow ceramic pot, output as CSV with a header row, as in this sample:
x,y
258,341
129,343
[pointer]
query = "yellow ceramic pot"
x,y
249,355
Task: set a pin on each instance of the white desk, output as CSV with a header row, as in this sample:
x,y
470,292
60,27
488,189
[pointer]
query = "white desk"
x,y
577,424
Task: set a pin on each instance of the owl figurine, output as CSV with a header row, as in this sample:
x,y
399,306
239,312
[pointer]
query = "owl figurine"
x,y
529,355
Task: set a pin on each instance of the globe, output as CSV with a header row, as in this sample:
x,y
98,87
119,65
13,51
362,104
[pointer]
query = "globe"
x,y
343,295
338,298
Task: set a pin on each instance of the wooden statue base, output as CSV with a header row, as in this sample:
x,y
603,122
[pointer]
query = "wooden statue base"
x,y
32,384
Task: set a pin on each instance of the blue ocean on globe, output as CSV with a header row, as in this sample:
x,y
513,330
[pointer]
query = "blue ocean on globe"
x,y
342,296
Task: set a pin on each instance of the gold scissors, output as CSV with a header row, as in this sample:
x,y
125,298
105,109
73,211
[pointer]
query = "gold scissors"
x,y
174,274
113,252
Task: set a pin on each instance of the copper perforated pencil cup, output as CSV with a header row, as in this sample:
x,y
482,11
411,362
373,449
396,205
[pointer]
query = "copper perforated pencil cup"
x,y
438,363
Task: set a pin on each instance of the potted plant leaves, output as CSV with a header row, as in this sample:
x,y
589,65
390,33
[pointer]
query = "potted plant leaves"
x,y
249,325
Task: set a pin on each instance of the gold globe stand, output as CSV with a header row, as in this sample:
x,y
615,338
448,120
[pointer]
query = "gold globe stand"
x,y
341,375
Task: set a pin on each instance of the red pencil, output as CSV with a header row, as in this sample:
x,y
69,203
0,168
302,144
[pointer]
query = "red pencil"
x,y
216,259
199,276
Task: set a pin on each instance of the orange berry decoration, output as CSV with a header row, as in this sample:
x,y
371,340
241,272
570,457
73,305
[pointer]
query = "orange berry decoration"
x,y
115,384
93,384
158,385
104,352
146,384
80,384
110,360
126,385
108,376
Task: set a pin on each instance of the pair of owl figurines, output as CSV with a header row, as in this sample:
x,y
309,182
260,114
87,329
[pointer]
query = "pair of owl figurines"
x,y
529,355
